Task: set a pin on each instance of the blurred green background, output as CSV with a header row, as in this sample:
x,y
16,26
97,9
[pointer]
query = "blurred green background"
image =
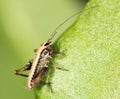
x,y
24,25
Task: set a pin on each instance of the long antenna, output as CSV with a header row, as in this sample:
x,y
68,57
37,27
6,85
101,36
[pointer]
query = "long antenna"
x,y
55,30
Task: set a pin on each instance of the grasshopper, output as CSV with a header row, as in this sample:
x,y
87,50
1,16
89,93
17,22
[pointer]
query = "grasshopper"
x,y
39,65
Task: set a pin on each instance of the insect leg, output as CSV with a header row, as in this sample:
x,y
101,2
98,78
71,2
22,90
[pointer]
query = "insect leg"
x,y
26,67
55,67
58,54
49,84
35,50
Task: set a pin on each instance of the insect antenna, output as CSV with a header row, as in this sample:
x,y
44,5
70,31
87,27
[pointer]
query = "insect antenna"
x,y
55,30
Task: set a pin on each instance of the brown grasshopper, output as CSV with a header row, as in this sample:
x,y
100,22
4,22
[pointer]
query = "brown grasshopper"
x,y
39,65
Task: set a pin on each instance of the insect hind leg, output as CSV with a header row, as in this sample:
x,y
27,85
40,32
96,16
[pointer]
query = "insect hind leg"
x,y
25,68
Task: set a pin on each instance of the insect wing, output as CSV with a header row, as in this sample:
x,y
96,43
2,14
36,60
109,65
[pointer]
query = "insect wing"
x,y
38,77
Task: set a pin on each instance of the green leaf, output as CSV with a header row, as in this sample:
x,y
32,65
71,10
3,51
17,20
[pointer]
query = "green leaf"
x,y
92,56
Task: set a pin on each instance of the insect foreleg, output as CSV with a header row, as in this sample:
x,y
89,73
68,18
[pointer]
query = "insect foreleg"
x,y
35,50
58,54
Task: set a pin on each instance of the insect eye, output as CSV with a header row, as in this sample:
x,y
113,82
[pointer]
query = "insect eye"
x,y
47,43
45,52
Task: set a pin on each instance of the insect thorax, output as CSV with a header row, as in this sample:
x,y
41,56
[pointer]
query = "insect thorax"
x,y
47,50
